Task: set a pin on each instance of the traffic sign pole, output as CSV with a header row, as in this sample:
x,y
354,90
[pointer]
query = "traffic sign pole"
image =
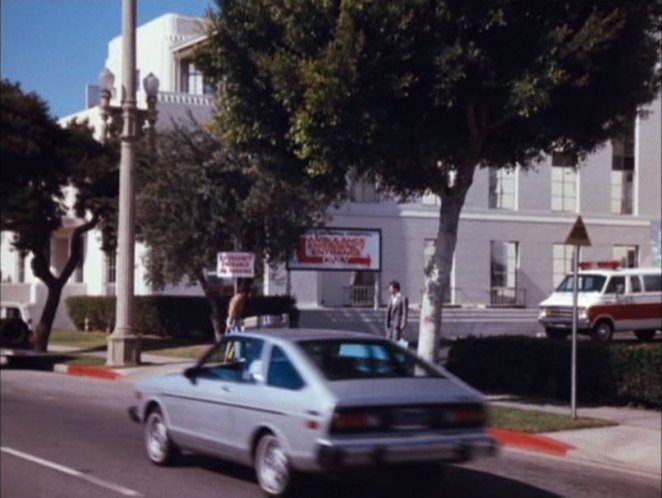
x,y
573,361
577,237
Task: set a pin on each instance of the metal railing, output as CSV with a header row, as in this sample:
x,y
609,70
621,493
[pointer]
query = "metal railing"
x,y
360,295
507,297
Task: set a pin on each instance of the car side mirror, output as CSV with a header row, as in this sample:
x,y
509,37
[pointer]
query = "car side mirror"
x,y
191,374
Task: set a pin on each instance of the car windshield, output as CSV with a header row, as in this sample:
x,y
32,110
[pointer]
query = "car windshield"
x,y
350,359
586,283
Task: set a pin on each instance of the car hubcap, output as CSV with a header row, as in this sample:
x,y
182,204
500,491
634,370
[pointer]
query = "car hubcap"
x,y
157,439
274,472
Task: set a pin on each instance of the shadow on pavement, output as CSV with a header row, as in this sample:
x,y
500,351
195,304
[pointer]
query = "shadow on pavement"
x,y
453,482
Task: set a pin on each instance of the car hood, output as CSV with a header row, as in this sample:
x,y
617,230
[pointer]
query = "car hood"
x,y
380,392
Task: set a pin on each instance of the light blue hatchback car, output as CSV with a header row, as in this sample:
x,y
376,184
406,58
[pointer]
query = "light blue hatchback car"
x,y
295,401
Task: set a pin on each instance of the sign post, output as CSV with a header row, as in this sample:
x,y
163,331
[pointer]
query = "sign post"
x,y
577,237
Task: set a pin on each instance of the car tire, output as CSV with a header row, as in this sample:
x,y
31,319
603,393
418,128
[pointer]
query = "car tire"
x,y
15,334
272,467
602,332
160,448
645,335
556,334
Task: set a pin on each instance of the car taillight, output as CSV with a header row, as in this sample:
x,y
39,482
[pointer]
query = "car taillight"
x,y
355,421
464,415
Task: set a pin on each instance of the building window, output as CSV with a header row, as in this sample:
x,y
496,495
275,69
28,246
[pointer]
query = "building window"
x,y
429,252
503,274
503,188
363,191
111,268
564,182
192,81
622,171
20,268
79,275
562,262
627,255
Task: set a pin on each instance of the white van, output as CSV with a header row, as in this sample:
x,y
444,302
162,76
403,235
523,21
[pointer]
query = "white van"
x,y
609,300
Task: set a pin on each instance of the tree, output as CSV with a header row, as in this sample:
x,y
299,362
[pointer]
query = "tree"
x,y
420,93
199,198
40,160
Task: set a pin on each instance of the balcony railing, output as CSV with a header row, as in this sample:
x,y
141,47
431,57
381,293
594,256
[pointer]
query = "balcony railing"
x,y
507,297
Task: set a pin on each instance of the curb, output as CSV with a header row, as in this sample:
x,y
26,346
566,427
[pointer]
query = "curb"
x,y
87,371
531,442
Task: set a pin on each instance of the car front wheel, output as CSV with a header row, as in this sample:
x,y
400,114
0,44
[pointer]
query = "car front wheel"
x,y
160,448
272,467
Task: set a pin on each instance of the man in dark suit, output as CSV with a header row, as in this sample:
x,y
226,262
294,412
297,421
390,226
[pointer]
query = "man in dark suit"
x,y
396,313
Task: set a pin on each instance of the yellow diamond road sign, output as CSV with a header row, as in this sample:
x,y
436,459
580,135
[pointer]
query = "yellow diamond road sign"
x,y
578,236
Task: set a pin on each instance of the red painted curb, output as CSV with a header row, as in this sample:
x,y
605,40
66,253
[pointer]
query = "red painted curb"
x,y
533,442
97,372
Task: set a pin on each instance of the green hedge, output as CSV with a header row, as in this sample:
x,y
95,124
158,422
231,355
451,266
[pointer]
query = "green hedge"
x,y
613,373
172,316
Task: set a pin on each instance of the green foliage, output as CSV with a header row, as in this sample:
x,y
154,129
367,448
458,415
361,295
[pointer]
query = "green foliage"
x,y
522,365
398,89
170,316
199,198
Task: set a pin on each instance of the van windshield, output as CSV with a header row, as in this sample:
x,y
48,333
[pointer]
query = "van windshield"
x,y
586,283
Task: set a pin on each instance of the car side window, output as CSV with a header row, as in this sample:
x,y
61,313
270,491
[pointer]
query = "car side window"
x,y
233,359
616,285
282,373
653,283
635,283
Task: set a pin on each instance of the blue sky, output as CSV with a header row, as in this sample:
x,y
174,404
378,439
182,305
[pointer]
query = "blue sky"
x,y
56,47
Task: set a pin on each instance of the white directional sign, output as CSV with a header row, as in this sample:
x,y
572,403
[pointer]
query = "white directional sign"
x,y
235,265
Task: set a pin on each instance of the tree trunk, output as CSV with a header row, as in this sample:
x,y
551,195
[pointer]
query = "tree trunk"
x,y
43,331
438,271
217,315
41,269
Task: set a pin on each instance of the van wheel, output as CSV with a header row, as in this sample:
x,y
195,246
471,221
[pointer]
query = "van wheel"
x,y
556,334
602,332
645,335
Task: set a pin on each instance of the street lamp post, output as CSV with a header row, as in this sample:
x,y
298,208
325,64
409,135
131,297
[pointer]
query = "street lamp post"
x,y
123,344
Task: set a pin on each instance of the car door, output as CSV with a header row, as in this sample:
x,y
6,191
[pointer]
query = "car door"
x,y
201,407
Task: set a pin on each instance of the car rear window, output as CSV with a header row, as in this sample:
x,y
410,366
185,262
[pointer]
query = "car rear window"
x,y
653,283
349,359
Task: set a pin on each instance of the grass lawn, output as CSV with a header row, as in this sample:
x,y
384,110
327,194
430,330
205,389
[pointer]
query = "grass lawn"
x,y
533,421
167,346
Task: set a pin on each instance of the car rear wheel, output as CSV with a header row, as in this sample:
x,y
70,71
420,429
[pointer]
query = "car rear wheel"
x,y
272,467
602,331
160,448
645,335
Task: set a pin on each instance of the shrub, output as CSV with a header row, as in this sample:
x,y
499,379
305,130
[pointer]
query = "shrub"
x,y
172,316
524,365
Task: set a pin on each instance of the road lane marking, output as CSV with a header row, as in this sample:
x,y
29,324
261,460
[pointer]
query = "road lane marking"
x,y
72,472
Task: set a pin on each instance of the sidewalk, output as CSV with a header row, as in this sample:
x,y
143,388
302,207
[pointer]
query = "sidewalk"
x,y
634,445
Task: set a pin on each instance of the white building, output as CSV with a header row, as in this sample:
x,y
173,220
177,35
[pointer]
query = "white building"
x,y
510,248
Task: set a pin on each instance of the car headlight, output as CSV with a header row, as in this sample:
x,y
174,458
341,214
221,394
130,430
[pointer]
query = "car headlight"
x,y
542,313
582,313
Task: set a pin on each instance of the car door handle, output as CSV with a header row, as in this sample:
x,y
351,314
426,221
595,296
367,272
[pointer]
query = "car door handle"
x,y
226,389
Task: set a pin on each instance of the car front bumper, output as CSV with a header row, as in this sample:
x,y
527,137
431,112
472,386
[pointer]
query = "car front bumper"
x,y
564,323
336,454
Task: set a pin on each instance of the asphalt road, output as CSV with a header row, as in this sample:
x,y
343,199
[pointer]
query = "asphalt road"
x,y
70,437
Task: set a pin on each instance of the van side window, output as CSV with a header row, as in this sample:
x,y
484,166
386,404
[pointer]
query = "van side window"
x,y
635,284
653,283
616,285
